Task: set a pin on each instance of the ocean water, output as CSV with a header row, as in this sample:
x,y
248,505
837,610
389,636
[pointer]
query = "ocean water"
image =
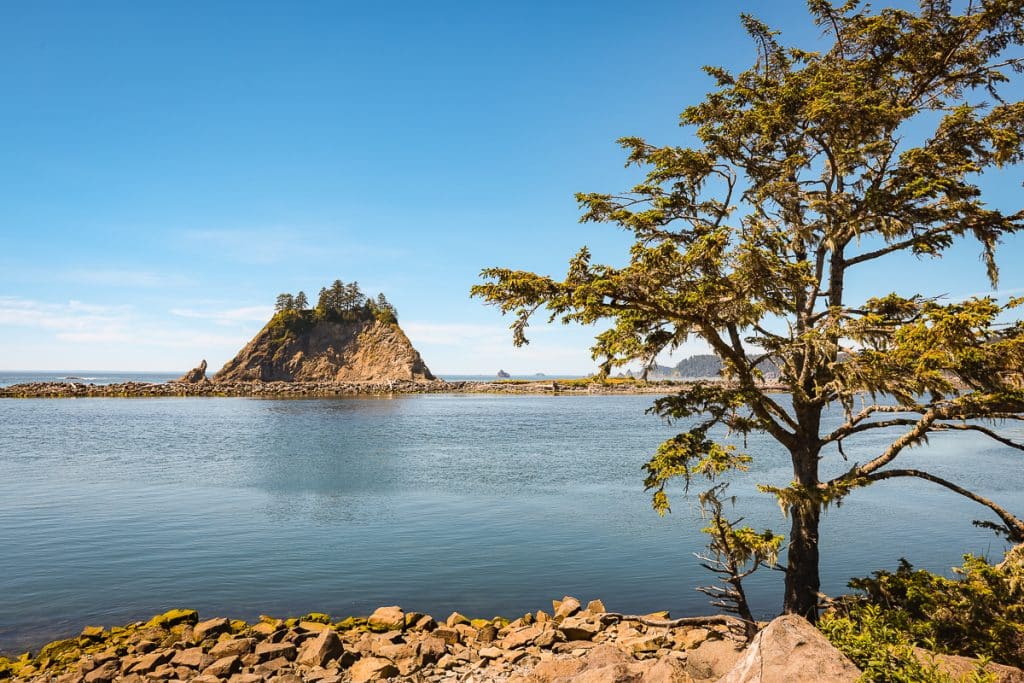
x,y
113,510
8,378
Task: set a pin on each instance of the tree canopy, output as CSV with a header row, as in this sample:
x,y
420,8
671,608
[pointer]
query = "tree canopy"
x,y
807,167
340,301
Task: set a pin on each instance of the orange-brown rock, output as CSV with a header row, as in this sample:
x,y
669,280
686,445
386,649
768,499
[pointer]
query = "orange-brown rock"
x,y
296,347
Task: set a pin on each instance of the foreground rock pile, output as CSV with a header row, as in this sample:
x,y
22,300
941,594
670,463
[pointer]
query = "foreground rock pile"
x,y
572,643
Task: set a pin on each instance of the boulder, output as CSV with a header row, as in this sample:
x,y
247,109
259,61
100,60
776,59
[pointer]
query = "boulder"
x,y
193,657
387,618
712,659
321,649
236,646
488,633
195,375
372,669
691,638
521,637
566,607
174,617
103,673
210,627
791,650
580,627
92,632
147,663
962,668
663,670
223,667
268,651
455,619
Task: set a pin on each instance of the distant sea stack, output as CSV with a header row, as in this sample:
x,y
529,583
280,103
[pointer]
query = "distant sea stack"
x,y
195,375
345,338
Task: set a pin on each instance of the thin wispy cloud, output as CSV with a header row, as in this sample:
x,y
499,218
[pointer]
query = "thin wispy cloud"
x,y
128,278
85,323
73,315
95,337
454,333
228,316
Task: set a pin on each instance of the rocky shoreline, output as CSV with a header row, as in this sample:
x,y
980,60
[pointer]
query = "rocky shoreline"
x,y
331,389
572,642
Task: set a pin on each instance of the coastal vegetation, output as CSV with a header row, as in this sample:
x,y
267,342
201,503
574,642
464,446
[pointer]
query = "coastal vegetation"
x,y
978,613
341,301
812,168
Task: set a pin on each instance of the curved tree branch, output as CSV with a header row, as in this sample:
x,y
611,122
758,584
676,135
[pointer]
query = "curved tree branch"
x,y
1014,525
984,430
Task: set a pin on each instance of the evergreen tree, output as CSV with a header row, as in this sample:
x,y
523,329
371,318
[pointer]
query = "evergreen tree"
x,y
337,296
323,303
353,296
383,309
806,167
301,302
285,302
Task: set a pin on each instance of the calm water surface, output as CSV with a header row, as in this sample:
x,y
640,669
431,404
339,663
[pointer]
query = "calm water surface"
x,y
113,510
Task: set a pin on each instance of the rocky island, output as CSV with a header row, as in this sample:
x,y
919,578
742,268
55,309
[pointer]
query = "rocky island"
x,y
348,344
347,337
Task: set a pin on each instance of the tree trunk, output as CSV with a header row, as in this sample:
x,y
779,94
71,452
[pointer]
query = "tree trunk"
x,y
802,581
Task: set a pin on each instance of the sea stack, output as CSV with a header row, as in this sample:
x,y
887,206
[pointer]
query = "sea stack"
x,y
195,375
304,346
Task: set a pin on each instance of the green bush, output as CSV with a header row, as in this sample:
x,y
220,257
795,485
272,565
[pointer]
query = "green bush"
x,y
883,652
978,613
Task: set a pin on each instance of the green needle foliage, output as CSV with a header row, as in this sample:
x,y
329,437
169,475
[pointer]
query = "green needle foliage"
x,y
807,168
734,553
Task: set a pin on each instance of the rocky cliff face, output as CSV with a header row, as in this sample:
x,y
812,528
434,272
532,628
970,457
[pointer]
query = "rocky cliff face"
x,y
296,347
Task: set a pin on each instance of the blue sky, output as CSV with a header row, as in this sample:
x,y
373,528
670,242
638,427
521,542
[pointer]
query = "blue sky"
x,y
167,168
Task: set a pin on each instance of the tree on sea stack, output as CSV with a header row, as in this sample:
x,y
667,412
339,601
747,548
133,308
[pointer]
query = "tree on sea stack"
x,y
809,167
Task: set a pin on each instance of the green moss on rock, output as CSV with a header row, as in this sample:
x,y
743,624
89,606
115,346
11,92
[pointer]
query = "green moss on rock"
x,y
317,617
349,623
174,617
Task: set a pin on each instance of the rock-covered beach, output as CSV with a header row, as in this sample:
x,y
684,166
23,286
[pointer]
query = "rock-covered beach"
x,y
328,389
572,642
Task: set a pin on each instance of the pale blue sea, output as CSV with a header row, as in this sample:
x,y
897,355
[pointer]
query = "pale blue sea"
x,y
112,510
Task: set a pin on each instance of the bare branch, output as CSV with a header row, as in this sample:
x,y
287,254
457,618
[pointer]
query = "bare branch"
x,y
735,625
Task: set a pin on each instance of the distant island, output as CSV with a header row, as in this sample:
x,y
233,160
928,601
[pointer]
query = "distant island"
x,y
346,337
700,366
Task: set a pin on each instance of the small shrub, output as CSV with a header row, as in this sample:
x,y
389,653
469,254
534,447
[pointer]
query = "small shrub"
x,y
885,654
979,613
